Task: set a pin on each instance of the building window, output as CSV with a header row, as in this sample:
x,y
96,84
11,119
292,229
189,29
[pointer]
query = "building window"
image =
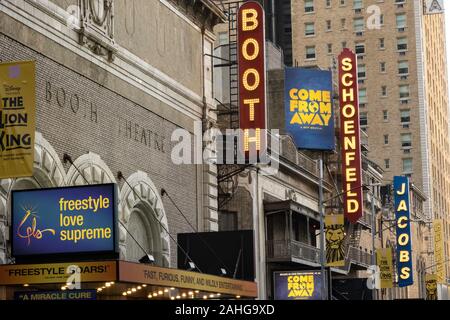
x,y
381,19
223,38
407,165
344,44
360,48
385,115
361,71
343,23
405,116
403,68
384,91
403,91
401,21
228,221
400,1
402,44
358,24
328,3
363,119
357,4
342,2
329,48
311,52
328,25
406,140
362,95
386,163
309,29
309,6
381,43
386,139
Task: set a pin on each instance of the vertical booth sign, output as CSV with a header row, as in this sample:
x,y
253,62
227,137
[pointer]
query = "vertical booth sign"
x,y
403,231
350,139
252,79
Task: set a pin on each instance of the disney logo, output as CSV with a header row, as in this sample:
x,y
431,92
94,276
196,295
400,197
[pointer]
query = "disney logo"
x,y
11,88
31,231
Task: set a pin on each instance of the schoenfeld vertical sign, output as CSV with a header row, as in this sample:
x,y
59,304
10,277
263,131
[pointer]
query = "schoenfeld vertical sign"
x,y
252,77
350,140
403,231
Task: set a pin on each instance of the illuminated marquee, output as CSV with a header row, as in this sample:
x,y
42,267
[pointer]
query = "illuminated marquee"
x,y
350,140
403,231
252,82
70,220
297,285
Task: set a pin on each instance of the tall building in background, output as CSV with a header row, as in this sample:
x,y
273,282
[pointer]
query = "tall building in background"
x,y
402,79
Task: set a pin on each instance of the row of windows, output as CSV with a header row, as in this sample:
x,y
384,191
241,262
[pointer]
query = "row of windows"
x,y
405,119
403,93
360,47
357,4
358,24
407,165
402,69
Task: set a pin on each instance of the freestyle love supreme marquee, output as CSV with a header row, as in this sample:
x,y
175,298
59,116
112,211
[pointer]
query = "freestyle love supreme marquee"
x,y
64,220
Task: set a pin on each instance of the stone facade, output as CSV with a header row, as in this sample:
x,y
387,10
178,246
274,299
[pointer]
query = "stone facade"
x,y
112,100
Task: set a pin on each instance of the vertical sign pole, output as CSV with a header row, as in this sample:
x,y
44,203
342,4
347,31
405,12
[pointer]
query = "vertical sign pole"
x,y
322,246
374,228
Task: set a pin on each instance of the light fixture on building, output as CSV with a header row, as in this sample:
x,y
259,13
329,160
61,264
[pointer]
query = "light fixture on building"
x,y
192,266
26,285
223,272
147,259
124,293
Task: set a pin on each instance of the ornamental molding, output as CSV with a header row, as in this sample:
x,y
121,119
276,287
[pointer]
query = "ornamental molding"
x,y
96,27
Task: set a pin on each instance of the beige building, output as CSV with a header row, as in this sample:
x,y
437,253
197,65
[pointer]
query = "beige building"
x,y
402,83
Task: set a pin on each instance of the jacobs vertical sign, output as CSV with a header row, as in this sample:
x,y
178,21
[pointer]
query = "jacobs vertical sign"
x,y
252,77
17,118
350,140
403,231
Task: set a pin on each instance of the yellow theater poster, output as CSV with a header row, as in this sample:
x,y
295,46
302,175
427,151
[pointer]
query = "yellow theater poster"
x,y
334,237
438,229
384,262
431,286
17,118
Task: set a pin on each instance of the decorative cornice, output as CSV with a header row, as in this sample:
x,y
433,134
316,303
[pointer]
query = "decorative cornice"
x,y
204,13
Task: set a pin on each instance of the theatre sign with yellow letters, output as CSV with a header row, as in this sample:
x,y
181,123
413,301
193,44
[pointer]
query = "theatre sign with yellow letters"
x,y
350,140
403,231
252,78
